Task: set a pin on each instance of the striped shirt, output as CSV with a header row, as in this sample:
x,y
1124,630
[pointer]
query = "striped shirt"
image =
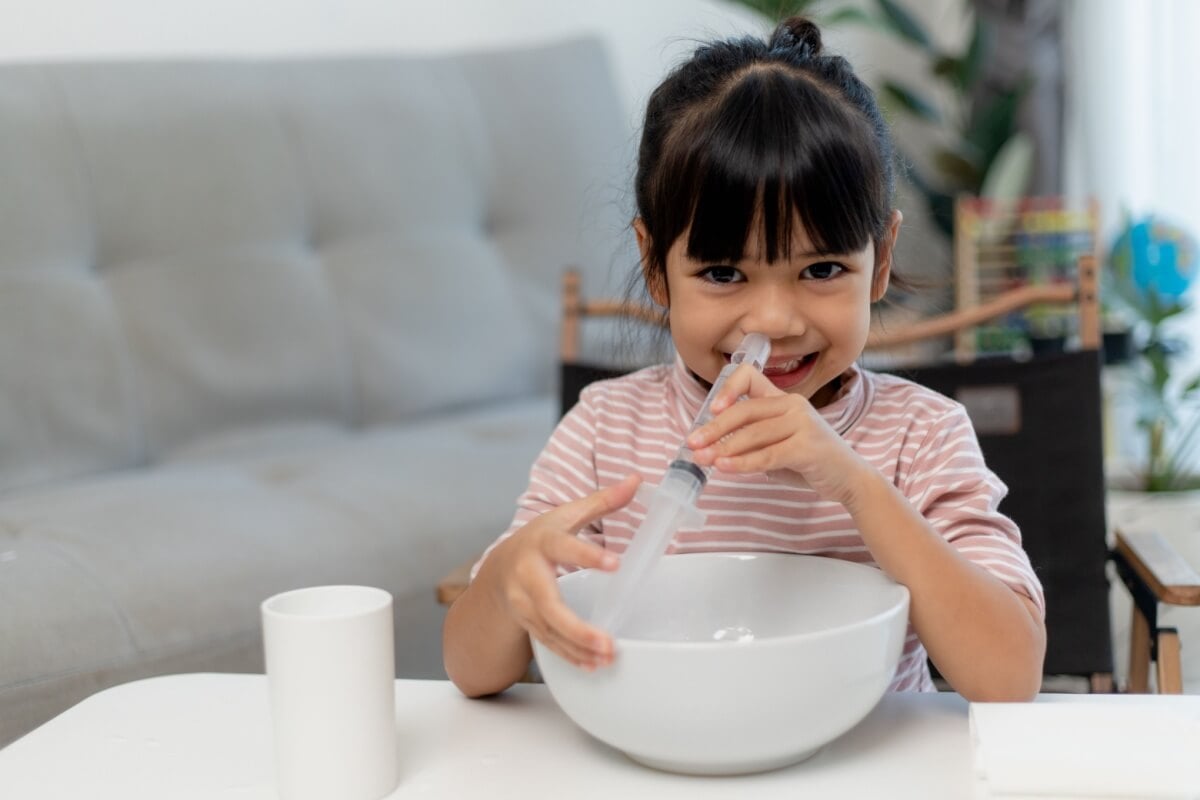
x,y
920,440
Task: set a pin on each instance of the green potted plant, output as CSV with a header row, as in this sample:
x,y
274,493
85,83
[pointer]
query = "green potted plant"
x,y
1150,269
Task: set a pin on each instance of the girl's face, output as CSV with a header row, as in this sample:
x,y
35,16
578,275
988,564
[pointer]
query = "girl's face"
x,y
814,307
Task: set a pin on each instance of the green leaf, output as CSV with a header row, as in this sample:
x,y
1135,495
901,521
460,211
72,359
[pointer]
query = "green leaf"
x,y
1008,176
994,123
1157,308
911,101
962,71
1156,356
1172,308
959,169
948,68
905,24
977,51
1190,387
853,15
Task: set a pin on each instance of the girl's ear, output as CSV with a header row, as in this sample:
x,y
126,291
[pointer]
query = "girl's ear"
x,y
656,283
883,270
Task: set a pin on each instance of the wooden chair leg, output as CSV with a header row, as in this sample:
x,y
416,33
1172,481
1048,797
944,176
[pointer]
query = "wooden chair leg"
x,y
1170,667
1139,654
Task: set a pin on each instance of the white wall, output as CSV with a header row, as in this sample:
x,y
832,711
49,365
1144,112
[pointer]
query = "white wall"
x,y
1132,127
645,37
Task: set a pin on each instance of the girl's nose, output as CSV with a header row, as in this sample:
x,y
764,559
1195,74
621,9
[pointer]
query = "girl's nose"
x,y
772,312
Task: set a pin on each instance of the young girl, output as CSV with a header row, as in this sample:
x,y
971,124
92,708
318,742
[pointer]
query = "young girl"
x,y
764,190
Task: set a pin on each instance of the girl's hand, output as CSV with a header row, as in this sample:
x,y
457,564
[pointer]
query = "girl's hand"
x,y
778,433
526,567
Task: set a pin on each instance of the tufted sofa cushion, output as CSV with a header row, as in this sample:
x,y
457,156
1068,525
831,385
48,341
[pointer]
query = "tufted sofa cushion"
x,y
193,248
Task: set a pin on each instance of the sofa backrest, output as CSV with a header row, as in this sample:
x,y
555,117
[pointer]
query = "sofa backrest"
x,y
189,247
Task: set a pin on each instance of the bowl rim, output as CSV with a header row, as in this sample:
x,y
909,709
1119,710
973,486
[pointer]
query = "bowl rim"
x,y
769,641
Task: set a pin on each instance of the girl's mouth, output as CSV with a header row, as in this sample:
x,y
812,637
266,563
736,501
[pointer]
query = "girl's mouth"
x,y
787,372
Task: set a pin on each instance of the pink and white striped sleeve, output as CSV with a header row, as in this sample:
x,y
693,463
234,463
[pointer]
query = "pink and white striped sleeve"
x,y
952,487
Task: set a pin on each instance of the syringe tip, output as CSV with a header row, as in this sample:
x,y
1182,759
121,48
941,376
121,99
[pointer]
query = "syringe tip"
x,y
755,349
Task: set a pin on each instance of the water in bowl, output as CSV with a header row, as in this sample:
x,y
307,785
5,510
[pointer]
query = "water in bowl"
x,y
733,633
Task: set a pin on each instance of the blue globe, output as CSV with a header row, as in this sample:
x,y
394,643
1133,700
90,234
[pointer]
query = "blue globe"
x,y
1159,257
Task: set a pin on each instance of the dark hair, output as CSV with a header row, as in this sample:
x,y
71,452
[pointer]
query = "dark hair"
x,y
775,126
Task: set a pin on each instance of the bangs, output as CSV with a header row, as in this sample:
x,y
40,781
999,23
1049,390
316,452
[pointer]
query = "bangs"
x,y
773,149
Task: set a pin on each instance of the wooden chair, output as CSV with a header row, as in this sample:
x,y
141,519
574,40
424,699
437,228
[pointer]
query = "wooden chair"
x,y
1154,573
1039,425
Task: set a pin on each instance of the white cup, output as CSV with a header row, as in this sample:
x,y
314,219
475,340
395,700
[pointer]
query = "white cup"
x,y
331,671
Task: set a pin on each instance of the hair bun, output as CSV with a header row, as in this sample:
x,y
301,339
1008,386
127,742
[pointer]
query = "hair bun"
x,y
799,34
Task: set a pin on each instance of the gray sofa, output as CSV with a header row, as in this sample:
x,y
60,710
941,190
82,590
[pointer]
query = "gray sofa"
x,y
268,324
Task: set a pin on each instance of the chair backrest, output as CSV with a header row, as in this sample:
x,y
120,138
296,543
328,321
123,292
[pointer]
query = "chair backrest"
x,y
575,370
1039,425
1039,428
1038,420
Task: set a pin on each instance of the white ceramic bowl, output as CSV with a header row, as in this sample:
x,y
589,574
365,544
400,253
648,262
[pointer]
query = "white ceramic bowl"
x,y
736,662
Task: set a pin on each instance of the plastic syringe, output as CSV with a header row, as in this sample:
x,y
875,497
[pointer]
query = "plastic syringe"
x,y
669,507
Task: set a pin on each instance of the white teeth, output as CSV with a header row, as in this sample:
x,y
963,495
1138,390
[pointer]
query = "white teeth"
x,y
786,366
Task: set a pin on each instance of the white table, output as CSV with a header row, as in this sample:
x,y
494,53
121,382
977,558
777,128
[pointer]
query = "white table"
x,y
208,736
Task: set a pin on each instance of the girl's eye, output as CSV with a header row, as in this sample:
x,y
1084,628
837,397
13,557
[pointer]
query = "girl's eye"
x,y
723,274
823,271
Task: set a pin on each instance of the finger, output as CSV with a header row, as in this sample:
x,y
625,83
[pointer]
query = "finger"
x,y
563,630
570,651
736,417
757,387
736,385
762,460
721,425
753,436
578,513
537,629
591,640
743,381
571,550
529,611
